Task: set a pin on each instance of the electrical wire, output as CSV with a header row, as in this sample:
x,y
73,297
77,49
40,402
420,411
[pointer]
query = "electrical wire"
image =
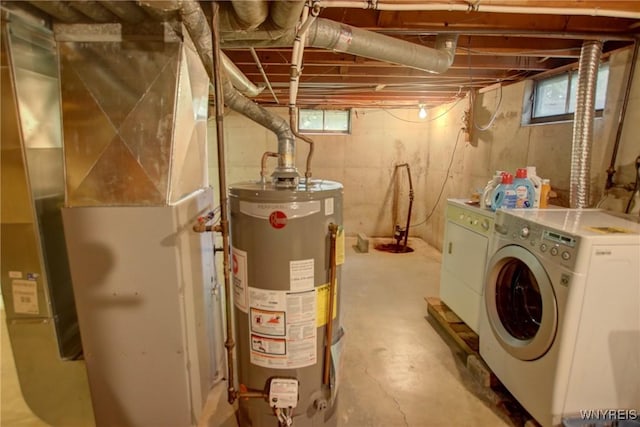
x,y
427,120
493,116
444,183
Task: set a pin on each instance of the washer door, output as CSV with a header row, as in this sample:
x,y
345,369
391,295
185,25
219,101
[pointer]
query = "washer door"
x,y
520,303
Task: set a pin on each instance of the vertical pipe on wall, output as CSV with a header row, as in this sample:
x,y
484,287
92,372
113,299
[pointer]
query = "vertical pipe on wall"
x,y
623,113
583,123
222,181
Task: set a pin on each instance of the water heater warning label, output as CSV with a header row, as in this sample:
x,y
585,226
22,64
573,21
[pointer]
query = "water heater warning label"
x,y
301,274
283,328
239,270
268,346
268,322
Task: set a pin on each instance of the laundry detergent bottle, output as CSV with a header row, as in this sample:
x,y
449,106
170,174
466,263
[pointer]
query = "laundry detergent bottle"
x,y
504,195
532,175
487,194
525,191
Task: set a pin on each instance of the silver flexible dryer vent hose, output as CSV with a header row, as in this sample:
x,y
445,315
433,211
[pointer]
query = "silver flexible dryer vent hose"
x,y
583,124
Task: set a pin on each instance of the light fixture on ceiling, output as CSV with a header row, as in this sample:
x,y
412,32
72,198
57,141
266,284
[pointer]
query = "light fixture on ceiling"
x,y
423,112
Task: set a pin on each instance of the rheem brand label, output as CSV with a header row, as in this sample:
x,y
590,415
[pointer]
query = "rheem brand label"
x,y
278,219
292,210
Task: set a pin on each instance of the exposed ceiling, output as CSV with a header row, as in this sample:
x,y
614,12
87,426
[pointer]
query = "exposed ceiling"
x,y
493,47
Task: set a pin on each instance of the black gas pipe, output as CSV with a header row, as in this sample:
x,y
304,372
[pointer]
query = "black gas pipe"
x,y
406,230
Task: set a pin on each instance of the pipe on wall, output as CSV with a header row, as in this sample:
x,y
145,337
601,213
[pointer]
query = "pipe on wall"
x,y
583,124
308,16
623,114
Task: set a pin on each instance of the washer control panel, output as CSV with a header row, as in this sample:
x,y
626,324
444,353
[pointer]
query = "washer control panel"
x,y
545,242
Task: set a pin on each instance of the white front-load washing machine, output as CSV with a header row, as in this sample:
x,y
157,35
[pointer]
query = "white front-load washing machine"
x,y
560,325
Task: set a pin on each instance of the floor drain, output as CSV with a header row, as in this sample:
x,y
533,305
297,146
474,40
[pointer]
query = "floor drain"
x,y
394,248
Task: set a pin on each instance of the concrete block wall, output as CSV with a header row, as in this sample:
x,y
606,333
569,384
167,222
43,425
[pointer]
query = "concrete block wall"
x,y
442,157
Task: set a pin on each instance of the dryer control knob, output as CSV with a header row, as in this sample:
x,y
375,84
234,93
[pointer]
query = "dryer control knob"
x,y
485,224
566,256
524,233
554,251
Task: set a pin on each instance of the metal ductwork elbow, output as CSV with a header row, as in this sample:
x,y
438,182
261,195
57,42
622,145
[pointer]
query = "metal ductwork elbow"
x,y
199,30
286,170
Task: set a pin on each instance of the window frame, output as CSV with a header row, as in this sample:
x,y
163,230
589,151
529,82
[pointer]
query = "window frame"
x,y
324,130
571,75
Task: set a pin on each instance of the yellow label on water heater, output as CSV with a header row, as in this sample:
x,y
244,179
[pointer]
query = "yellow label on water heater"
x,y
340,246
322,304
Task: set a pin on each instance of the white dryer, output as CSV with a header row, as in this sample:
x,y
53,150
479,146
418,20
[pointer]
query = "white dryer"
x,y
561,320
464,258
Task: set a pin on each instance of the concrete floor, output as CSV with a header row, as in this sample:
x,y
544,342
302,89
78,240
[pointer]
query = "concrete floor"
x,y
399,371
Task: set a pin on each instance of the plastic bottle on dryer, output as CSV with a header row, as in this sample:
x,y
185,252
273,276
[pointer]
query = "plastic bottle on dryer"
x,y
504,195
486,198
537,184
525,191
544,193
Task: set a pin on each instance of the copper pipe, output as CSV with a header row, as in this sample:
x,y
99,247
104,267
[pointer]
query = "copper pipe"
x,y
201,228
263,165
333,236
222,182
293,123
253,395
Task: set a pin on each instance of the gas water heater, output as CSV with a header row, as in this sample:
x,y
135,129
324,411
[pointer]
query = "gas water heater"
x,y
287,248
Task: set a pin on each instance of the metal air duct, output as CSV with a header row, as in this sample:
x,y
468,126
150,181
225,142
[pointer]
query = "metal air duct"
x,y
583,124
327,34
250,13
39,304
135,157
198,28
322,33
238,79
160,94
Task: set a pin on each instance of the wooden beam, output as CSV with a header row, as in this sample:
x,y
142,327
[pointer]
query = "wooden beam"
x,y
462,21
326,58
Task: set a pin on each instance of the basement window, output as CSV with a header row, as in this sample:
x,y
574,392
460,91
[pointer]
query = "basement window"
x,y
324,121
554,98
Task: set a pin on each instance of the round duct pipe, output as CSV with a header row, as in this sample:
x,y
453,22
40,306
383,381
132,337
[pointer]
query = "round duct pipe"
x,y
583,123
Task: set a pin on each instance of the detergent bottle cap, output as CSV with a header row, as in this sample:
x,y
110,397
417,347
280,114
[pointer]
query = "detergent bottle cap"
x,y
507,178
521,173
